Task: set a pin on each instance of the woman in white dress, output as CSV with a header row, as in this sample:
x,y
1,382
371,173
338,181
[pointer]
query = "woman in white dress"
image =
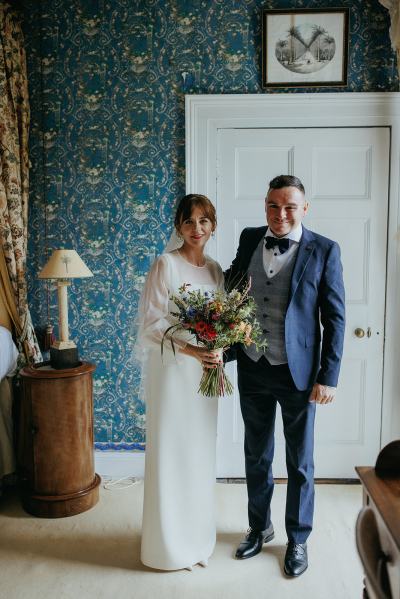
x,y
179,503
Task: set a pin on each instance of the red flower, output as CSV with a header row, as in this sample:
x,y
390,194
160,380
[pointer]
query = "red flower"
x,y
210,333
205,331
201,326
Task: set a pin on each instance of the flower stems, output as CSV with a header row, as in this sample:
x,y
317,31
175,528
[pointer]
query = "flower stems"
x,y
215,383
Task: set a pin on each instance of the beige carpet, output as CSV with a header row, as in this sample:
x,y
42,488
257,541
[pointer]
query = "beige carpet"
x,y
96,554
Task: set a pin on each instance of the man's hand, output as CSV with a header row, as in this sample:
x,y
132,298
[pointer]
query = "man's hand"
x,y
322,394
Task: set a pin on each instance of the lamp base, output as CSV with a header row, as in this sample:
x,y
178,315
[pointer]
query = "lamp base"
x,y
64,358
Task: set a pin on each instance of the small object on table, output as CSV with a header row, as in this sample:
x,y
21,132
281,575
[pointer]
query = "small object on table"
x,y
389,460
55,451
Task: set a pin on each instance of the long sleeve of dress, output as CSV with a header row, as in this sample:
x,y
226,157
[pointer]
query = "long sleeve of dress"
x,y
220,278
154,313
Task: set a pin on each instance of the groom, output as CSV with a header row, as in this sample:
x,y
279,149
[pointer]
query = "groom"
x,y
297,283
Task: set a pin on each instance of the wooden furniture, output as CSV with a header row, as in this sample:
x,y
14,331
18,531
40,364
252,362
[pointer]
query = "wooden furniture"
x,y
378,525
55,447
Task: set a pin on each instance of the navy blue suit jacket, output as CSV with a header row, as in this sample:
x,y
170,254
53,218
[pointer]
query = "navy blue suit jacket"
x,y
316,298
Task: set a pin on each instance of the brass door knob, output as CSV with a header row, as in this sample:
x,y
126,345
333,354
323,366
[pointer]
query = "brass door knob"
x,y
360,333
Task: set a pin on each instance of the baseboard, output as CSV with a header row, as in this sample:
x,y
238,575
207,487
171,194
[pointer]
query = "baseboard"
x,y
118,464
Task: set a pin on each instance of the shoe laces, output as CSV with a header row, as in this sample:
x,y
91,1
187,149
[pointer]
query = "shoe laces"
x,y
296,549
250,532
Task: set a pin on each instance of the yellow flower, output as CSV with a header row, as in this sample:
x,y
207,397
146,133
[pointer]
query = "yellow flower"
x,y
217,306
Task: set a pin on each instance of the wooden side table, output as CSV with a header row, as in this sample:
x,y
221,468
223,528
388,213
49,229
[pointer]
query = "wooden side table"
x,y
56,441
381,498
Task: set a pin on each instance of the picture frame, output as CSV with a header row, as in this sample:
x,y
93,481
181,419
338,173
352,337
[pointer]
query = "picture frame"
x,y
305,47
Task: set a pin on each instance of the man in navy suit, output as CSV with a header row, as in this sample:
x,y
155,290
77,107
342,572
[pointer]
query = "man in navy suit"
x,y
297,282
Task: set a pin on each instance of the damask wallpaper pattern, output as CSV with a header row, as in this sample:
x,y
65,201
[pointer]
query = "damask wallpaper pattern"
x,y
107,84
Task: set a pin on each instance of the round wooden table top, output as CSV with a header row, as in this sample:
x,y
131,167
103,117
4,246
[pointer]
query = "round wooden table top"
x,y
44,370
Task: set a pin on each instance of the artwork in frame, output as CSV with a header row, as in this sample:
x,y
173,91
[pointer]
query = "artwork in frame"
x,y
305,48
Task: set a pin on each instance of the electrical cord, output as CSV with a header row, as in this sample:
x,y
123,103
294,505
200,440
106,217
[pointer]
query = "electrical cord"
x,y
120,483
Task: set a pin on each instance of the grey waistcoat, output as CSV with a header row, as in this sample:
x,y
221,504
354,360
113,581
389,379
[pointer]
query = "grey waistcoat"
x,y
271,296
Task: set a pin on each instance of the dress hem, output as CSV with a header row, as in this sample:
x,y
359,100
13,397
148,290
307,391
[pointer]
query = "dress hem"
x,y
175,568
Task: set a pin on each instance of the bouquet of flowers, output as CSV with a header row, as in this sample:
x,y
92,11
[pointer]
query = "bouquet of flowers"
x,y
217,320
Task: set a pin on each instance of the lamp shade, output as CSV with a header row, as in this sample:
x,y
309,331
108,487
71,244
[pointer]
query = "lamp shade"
x,y
65,264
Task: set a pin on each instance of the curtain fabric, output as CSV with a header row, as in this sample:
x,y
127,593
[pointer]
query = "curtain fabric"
x,y
393,7
14,179
7,302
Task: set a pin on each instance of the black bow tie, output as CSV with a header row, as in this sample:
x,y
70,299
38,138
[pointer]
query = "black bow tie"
x,y
282,244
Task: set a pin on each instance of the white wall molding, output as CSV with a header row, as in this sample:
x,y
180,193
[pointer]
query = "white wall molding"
x,y
119,464
205,114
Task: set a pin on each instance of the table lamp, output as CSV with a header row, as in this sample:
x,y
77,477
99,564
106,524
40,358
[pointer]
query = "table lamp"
x,y
62,266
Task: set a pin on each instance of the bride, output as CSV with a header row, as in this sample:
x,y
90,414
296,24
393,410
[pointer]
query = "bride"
x,y
179,504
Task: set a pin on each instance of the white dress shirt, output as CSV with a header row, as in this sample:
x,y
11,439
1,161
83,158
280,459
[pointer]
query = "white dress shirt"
x,y
272,258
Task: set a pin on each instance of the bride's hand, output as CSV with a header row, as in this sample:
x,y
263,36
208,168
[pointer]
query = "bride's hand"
x,y
208,358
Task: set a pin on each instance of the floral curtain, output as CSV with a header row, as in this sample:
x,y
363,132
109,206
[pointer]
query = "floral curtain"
x,y
393,7
14,175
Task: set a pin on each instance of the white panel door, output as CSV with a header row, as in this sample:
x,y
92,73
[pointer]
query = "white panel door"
x,y
346,175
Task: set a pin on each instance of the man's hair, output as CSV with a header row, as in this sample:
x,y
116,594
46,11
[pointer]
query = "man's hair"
x,y
286,181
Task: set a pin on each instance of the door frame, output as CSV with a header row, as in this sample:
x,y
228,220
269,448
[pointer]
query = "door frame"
x,y
206,114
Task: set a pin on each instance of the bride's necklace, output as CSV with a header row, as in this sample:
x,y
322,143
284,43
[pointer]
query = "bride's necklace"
x,y
187,259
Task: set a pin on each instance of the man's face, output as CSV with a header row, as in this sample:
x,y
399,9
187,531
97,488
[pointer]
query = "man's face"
x,y
285,209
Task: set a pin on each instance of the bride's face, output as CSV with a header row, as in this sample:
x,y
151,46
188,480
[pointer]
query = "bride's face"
x,y
197,229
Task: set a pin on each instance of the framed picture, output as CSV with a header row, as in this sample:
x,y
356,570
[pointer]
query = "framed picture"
x,y
305,48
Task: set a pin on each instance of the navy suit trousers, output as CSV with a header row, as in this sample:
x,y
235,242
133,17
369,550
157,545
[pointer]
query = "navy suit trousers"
x,y
261,386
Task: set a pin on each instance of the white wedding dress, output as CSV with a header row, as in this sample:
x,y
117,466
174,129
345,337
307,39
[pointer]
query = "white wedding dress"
x,y
179,503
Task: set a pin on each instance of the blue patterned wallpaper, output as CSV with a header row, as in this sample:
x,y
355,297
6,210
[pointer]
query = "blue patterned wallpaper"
x,y
107,84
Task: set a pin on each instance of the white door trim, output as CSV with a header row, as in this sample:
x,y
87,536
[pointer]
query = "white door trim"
x,y
205,114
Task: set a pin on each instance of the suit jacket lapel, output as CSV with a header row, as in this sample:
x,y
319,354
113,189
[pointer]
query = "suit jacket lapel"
x,y
251,246
306,248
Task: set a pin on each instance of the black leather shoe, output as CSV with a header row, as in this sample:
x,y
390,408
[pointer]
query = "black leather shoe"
x,y
296,561
253,542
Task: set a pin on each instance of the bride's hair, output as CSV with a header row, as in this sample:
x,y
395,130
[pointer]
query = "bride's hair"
x,y
193,200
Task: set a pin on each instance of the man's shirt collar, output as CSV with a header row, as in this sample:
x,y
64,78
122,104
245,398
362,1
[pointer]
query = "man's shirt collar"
x,y
294,235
